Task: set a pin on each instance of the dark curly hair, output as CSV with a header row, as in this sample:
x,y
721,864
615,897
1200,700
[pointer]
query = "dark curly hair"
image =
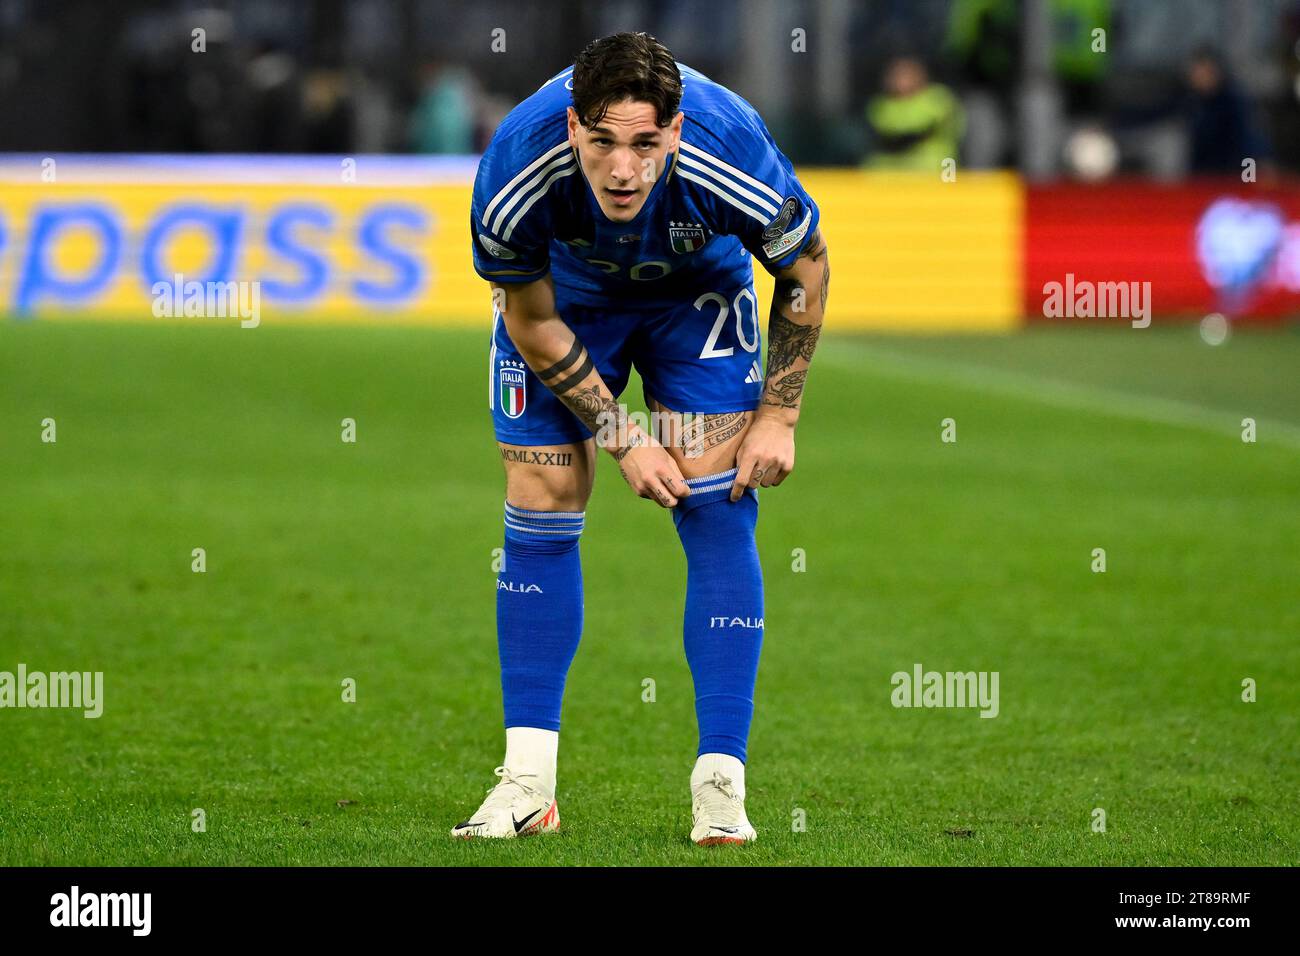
x,y
623,66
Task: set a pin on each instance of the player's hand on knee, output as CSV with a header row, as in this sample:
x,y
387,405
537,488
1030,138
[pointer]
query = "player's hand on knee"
x,y
651,472
765,458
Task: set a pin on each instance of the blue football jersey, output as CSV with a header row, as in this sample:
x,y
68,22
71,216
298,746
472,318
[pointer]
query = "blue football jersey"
x,y
726,193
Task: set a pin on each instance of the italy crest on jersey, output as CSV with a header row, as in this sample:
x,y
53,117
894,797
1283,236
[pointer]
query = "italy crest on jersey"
x,y
513,396
685,236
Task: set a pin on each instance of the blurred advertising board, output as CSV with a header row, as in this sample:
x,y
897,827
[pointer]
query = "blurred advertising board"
x,y
361,239
1204,246
913,252
384,239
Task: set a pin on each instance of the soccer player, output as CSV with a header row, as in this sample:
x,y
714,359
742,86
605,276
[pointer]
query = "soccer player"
x,y
615,214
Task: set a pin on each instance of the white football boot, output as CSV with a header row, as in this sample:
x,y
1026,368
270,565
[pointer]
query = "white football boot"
x,y
513,808
719,813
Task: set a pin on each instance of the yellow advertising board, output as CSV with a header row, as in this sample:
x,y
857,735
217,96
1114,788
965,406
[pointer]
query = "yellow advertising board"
x,y
390,243
912,252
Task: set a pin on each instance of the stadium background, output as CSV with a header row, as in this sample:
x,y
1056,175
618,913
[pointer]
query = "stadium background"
x,y
325,150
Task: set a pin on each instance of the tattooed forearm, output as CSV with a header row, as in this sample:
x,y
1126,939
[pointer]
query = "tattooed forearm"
x,y
634,440
786,390
595,410
826,282
816,250
788,341
568,371
791,343
530,457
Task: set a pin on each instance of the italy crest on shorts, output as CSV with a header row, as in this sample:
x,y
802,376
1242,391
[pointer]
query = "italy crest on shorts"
x,y
513,395
685,237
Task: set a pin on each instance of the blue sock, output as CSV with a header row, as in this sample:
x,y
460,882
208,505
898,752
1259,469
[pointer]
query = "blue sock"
x,y
539,613
723,627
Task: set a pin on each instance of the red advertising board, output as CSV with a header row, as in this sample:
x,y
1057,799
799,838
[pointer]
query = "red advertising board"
x,y
1205,246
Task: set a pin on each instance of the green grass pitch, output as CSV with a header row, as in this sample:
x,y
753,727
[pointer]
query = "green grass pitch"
x,y
372,561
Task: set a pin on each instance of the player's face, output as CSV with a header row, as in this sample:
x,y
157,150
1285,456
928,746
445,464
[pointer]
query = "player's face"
x,y
623,155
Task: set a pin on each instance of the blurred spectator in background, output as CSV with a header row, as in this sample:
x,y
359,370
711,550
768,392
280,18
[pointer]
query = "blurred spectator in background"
x,y
915,124
1080,47
275,100
1221,124
327,112
1035,88
444,118
983,42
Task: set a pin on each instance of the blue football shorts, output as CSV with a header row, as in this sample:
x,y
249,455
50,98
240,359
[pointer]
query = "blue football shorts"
x,y
699,356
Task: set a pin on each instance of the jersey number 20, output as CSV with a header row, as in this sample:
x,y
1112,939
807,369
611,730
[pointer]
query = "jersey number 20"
x,y
711,349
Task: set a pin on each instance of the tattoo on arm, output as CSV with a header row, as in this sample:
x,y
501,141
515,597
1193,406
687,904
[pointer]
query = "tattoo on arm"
x,y
595,410
790,341
633,441
816,250
564,364
826,282
786,390
569,371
